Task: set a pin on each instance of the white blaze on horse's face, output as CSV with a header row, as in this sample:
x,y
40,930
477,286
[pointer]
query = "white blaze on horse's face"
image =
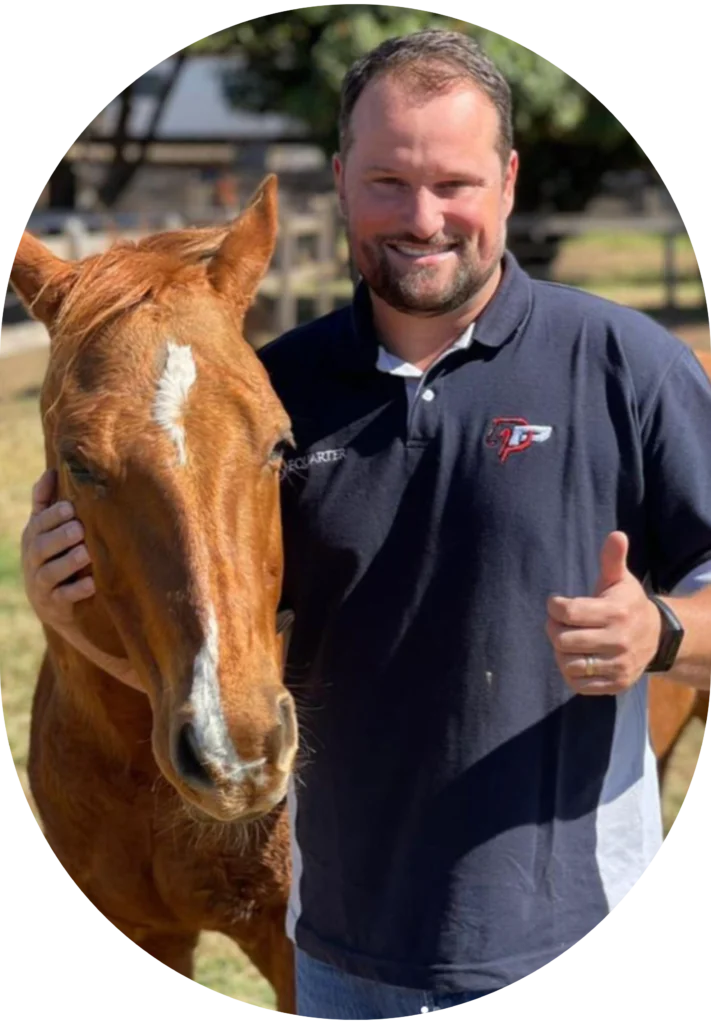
x,y
212,736
172,394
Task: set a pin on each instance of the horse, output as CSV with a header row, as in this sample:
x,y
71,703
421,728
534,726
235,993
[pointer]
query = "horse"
x,y
165,802
672,705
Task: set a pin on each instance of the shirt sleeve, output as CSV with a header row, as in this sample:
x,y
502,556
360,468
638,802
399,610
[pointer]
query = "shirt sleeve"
x,y
697,579
676,439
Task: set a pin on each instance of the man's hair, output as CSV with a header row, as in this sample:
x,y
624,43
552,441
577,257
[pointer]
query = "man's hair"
x,y
432,60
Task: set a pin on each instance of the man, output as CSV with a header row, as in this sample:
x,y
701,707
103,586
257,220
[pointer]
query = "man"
x,y
493,475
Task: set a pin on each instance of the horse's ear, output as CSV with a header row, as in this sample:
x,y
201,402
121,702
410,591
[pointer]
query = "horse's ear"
x,y
242,259
39,278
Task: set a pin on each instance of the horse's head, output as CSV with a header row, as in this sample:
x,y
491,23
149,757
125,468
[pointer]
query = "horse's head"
x,y
167,437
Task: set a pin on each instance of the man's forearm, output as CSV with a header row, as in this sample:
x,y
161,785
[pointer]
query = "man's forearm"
x,y
119,668
693,663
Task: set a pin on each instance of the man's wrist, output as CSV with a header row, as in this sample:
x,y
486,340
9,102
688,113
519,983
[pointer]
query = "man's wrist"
x,y
655,615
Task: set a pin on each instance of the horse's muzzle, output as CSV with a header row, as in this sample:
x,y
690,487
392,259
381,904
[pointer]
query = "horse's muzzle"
x,y
211,774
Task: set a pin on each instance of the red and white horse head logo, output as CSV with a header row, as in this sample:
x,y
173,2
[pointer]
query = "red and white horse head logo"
x,y
514,434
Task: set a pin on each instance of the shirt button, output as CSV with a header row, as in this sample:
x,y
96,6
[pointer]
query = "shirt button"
x,y
428,394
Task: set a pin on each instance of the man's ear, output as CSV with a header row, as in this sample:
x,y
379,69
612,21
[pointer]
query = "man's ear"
x,y
337,168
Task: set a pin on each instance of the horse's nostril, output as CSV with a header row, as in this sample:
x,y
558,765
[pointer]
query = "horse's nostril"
x,y
187,758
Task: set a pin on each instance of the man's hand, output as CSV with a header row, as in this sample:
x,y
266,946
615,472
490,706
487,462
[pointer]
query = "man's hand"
x,y
604,643
52,551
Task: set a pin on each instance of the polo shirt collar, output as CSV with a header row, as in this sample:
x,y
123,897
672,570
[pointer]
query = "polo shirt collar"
x,y
509,308
390,363
495,325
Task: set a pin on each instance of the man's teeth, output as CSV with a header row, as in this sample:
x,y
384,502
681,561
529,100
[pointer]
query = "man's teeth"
x,y
411,250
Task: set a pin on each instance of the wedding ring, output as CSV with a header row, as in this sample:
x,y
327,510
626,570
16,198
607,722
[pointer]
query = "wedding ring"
x,y
590,665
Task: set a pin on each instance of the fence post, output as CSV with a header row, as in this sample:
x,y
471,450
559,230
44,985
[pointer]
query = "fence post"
x,y
286,302
325,254
670,269
76,235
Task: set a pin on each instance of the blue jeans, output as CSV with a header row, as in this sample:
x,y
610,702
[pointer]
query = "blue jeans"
x,y
326,991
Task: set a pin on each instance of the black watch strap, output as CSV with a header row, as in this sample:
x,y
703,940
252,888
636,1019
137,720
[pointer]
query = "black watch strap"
x,y
670,638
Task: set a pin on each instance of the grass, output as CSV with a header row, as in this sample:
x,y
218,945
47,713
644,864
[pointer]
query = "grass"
x,y
680,772
622,268
629,269
9,562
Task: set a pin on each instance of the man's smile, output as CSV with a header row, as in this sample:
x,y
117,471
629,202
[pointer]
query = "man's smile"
x,y
421,254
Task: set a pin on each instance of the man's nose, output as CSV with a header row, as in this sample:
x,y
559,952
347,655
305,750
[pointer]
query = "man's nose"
x,y
426,216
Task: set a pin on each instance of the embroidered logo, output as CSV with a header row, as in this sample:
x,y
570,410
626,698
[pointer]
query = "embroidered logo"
x,y
514,434
303,462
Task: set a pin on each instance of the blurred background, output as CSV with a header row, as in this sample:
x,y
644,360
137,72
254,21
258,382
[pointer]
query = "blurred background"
x,y
188,142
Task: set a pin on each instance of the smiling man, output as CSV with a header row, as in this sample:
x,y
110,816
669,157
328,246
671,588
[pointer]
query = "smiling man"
x,y
495,479
425,196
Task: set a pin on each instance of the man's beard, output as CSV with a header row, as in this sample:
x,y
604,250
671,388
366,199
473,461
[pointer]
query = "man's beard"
x,y
402,290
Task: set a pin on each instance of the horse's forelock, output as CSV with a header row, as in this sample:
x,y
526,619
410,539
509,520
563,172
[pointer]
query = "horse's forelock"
x,y
105,286
99,289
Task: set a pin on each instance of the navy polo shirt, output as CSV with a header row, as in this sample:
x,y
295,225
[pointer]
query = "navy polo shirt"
x,y
460,817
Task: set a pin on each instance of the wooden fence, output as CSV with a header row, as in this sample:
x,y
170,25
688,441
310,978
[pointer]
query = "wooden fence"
x,y
311,262
308,263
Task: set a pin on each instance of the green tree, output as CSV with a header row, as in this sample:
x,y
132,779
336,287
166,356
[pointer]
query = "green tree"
x,y
294,63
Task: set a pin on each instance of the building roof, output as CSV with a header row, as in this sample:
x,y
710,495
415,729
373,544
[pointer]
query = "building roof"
x,y
197,107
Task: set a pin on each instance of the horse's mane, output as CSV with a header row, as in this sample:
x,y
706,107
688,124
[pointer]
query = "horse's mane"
x,y
99,288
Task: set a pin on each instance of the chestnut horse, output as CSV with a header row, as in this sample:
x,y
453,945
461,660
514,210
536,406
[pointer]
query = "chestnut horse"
x,y
672,705
167,436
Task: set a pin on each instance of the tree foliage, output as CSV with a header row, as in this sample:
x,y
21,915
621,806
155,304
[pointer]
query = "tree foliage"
x,y
294,62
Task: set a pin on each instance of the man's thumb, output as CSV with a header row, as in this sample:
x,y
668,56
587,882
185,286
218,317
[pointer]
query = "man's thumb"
x,y
613,561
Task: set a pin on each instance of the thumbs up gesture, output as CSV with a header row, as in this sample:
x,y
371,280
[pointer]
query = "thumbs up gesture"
x,y
604,643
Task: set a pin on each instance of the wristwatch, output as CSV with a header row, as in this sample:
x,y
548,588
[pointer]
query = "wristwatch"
x,y
669,640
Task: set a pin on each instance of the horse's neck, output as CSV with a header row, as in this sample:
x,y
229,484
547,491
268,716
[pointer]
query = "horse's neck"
x,y
116,718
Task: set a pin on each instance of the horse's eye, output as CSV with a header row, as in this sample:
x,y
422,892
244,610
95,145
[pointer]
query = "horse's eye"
x,y
279,450
80,473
